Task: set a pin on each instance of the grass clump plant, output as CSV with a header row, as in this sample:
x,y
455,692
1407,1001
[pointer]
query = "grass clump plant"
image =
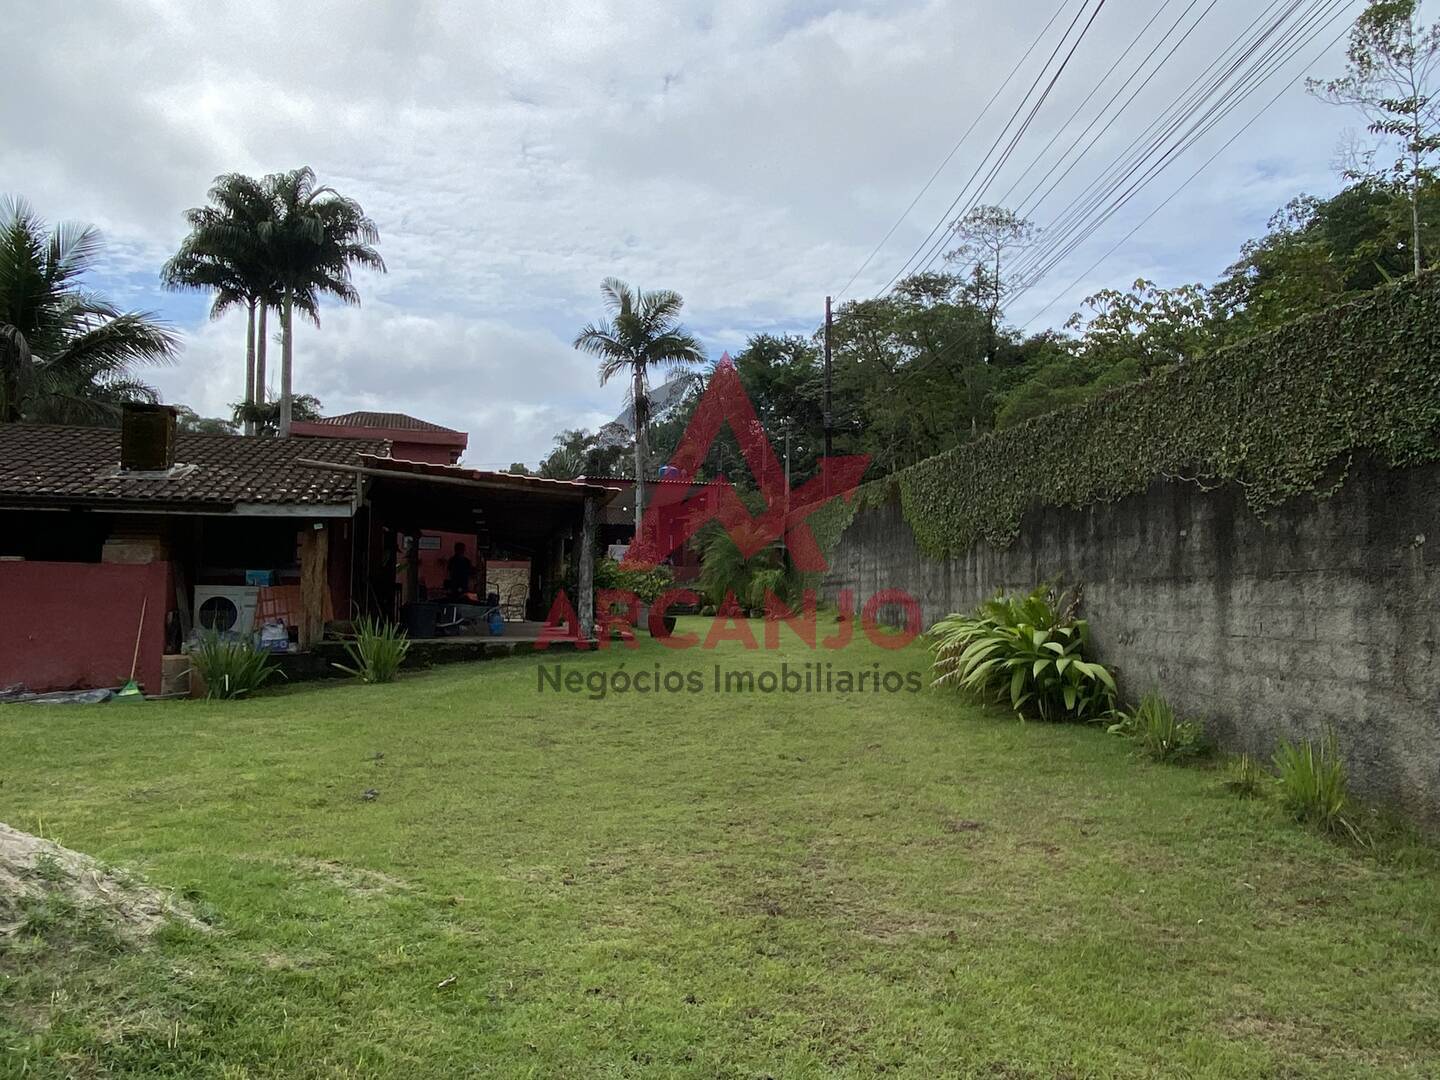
x,y
1314,787
1159,733
376,653
230,667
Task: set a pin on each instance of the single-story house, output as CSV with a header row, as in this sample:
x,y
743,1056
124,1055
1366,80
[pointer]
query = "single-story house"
x,y
116,543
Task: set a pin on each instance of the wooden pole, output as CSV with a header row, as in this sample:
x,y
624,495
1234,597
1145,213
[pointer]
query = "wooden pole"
x,y
585,571
314,580
829,418
135,662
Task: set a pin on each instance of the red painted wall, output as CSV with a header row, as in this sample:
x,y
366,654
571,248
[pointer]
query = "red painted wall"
x,y
66,625
434,565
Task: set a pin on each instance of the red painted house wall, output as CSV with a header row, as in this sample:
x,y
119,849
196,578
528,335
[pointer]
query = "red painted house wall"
x,y
66,625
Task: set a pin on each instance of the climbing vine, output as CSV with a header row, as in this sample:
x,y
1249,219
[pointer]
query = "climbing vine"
x,y
1276,414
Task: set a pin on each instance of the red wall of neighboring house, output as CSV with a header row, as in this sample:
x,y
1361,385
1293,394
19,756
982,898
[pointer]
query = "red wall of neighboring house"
x,y
66,625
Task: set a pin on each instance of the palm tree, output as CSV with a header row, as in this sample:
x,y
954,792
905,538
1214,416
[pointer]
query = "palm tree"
x,y
66,353
643,331
223,253
311,243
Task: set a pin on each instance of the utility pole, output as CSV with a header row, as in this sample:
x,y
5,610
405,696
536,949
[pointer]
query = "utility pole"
x,y
829,419
785,535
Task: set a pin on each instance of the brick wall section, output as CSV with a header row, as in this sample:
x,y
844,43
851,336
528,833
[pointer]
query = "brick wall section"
x,y
1327,613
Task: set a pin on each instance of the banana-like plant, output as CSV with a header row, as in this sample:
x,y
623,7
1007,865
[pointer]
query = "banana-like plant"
x,y
1029,651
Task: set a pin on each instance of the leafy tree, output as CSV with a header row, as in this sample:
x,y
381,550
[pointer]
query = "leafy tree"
x,y
643,331
311,246
913,371
265,417
1157,327
519,468
187,419
1058,376
783,378
67,355
584,453
988,236
1390,78
1319,252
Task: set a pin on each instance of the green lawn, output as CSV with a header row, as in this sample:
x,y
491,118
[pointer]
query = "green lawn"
x,y
697,885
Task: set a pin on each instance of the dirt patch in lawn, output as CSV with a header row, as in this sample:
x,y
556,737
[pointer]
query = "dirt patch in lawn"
x,y
38,875
356,880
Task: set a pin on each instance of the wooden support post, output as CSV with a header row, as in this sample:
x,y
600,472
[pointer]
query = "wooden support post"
x,y
585,571
412,569
314,580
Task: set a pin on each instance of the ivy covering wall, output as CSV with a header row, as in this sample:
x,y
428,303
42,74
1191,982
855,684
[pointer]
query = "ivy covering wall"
x,y
1280,414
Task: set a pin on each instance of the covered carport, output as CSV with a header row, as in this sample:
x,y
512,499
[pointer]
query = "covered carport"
x,y
552,523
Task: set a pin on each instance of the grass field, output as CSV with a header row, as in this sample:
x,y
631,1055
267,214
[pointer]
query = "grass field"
x,y
694,885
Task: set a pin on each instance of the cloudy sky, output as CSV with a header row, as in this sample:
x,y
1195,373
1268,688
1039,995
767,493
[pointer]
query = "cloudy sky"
x,y
748,154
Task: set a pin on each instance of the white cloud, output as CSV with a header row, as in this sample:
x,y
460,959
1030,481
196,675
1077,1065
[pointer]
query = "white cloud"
x,y
747,154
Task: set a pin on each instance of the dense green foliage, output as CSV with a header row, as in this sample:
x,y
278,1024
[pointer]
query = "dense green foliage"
x,y
1029,651
67,355
932,365
579,453
647,583
1280,414
230,667
377,651
727,574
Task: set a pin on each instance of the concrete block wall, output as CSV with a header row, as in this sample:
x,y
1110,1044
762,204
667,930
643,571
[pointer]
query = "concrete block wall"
x,y
1326,612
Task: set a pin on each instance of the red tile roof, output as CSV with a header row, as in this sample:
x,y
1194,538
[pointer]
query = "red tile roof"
x,y
393,420
44,463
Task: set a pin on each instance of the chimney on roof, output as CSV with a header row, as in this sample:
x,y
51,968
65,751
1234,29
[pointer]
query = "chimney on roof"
x,y
147,438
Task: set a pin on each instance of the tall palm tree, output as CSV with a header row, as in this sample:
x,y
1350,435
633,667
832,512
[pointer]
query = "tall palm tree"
x,y
224,253
643,331
312,242
66,353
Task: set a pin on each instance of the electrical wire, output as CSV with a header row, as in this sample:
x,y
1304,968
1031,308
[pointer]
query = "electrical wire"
x,y
1188,180
935,249
953,150
1240,76
946,216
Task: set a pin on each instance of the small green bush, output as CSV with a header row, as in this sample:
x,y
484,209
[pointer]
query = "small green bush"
x,y
230,667
377,652
1028,650
1159,733
1246,777
1313,785
647,584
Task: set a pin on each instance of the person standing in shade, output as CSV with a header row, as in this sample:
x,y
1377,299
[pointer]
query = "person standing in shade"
x,y
459,571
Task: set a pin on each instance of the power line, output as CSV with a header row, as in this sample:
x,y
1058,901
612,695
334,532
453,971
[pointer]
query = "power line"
x,y
1043,175
935,249
1321,15
1130,160
953,151
945,217
1314,22
1132,171
1189,179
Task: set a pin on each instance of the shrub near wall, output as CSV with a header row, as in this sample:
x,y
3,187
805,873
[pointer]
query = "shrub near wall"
x,y
1280,414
